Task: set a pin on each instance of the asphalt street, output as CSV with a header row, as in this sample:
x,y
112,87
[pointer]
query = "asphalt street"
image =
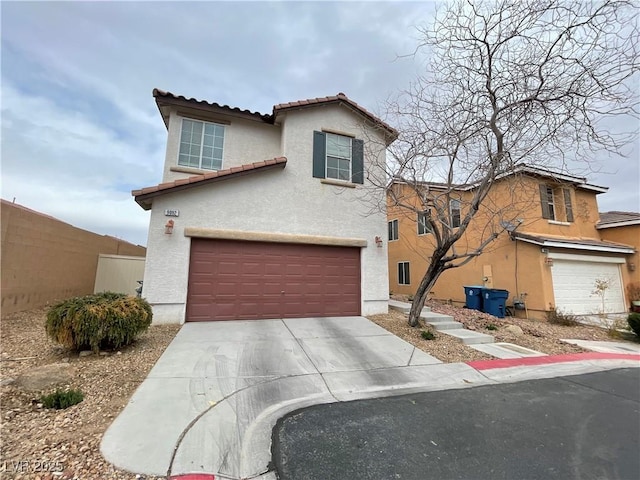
x,y
574,427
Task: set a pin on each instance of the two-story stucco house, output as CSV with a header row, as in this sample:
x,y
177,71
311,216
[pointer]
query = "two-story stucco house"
x,y
550,252
262,215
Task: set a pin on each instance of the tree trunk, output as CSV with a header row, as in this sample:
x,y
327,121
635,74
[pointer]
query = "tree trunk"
x,y
426,284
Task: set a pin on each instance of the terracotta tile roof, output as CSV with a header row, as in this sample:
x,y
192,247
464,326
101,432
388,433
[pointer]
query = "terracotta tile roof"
x,y
162,97
618,219
339,98
161,94
579,243
143,195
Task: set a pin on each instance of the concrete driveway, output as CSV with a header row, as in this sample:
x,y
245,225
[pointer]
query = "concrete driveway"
x,y
210,403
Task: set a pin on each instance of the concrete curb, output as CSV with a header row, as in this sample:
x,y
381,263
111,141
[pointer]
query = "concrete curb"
x,y
550,359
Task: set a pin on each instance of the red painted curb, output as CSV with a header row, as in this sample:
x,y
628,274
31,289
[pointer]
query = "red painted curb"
x,y
571,357
193,476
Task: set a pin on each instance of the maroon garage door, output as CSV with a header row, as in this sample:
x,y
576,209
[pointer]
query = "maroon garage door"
x,y
233,280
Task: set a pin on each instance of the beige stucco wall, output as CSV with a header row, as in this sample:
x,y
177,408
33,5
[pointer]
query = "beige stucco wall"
x,y
280,201
44,259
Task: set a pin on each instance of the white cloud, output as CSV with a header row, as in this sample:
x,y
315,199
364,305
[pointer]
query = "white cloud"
x,y
69,166
79,124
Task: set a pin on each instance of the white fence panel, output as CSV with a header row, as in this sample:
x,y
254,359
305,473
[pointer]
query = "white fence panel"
x,y
118,273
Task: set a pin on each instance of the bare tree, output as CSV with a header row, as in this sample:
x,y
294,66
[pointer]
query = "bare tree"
x,y
506,82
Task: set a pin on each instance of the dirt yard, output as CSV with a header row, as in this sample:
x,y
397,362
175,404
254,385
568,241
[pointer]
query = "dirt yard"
x,y
38,442
536,334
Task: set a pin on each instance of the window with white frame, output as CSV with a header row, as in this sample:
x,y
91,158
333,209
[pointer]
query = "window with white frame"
x,y
338,157
454,212
201,145
393,230
404,277
423,222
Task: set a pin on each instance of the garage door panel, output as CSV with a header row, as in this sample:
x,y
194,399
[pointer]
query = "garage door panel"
x,y
246,280
574,285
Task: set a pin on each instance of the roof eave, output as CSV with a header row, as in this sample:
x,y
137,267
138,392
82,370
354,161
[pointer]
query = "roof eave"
x,y
625,223
145,200
390,133
166,100
576,246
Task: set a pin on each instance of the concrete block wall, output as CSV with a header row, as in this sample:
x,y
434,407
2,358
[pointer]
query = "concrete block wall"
x,y
45,260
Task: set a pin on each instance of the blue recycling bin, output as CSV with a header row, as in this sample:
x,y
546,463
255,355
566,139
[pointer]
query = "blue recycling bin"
x,y
494,300
473,296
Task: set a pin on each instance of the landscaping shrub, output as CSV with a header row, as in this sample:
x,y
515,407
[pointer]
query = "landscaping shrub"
x,y
427,335
634,323
104,320
557,317
61,399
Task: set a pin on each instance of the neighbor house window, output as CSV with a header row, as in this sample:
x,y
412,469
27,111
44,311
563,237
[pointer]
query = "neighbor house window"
x,y
454,212
423,222
403,274
201,145
548,205
568,208
393,230
338,157
556,203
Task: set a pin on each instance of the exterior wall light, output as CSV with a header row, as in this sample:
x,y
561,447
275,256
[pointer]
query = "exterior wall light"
x,y
168,228
379,242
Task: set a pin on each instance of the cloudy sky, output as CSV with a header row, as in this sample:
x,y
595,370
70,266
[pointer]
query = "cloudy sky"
x,y
80,128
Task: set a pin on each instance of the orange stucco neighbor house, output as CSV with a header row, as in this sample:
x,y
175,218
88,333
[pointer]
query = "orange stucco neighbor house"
x,y
550,253
623,227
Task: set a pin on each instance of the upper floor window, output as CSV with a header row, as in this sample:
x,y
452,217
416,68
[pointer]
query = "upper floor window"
x,y
548,202
338,157
393,230
423,222
556,203
201,145
454,212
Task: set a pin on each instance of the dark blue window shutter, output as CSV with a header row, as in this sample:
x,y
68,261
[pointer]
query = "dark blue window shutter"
x,y
357,159
319,154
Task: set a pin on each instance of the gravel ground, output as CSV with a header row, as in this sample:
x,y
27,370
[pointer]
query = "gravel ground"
x,y
36,442
537,335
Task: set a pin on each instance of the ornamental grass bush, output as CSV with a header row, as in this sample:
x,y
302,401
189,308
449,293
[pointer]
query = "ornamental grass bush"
x,y
558,317
101,321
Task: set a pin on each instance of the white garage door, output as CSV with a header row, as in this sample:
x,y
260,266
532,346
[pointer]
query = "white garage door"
x,y
574,286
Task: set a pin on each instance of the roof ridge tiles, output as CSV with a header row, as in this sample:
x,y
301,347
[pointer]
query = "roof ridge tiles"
x,y
270,118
